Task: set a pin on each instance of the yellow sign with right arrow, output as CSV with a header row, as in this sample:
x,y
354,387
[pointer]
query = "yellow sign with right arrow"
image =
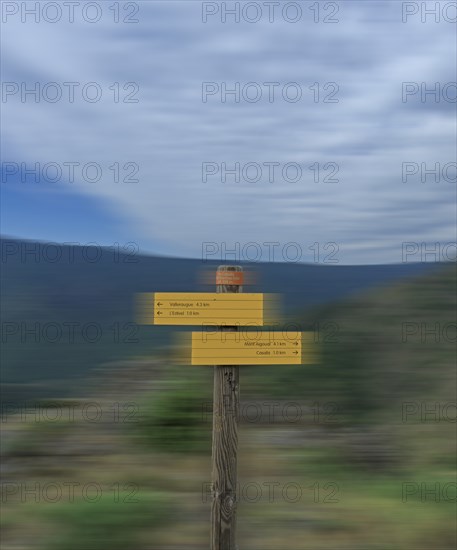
x,y
252,348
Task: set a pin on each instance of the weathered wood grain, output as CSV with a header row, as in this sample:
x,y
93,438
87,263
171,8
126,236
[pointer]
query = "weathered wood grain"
x,y
226,399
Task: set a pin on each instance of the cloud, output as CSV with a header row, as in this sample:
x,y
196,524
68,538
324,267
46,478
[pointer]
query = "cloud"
x,y
170,132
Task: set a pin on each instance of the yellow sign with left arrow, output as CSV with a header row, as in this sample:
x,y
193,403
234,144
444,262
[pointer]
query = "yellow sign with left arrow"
x,y
205,308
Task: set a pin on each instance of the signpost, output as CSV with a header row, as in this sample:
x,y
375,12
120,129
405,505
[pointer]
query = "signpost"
x,y
226,347
250,348
204,308
229,278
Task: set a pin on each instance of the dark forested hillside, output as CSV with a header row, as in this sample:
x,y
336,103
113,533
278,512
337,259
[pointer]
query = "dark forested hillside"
x,y
66,310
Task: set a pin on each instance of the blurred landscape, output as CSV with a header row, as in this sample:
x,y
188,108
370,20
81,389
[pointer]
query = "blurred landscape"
x,y
63,318
107,445
148,145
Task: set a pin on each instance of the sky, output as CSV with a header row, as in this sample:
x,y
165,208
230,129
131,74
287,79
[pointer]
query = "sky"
x,y
192,131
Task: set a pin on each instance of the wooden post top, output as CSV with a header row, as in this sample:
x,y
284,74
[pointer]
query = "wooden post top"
x,y
230,275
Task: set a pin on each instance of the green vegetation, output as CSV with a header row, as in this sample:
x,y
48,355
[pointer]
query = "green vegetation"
x,y
173,419
107,524
370,362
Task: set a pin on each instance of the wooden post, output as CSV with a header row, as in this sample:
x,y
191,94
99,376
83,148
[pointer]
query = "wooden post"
x,y
225,439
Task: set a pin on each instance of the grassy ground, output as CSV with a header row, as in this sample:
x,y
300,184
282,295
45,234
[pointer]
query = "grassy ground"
x,y
294,489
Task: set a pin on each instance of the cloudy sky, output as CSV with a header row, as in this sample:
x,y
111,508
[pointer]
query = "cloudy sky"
x,y
333,150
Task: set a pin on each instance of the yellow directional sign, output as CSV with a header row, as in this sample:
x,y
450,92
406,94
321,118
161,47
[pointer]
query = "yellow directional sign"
x,y
252,348
204,308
